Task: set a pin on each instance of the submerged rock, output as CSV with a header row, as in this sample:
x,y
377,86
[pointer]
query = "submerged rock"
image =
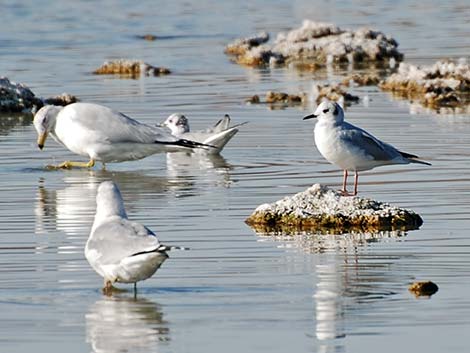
x,y
279,99
315,43
423,289
130,68
444,84
322,210
18,98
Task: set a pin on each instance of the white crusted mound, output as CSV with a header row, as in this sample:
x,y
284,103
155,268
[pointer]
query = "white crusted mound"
x,y
446,83
318,42
319,208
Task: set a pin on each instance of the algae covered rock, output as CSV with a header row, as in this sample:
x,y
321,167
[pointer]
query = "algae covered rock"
x,y
444,84
130,68
316,43
322,210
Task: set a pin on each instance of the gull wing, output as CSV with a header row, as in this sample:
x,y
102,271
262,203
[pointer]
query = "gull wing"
x,y
113,126
121,238
368,144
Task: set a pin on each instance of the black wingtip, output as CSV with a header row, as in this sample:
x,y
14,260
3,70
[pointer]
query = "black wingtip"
x,y
186,143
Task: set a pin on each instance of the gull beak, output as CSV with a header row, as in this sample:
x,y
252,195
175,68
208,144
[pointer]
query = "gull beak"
x,y
41,139
311,116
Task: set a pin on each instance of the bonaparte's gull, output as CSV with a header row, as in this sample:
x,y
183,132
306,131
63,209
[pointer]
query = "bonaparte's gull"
x,y
103,134
350,147
216,136
118,249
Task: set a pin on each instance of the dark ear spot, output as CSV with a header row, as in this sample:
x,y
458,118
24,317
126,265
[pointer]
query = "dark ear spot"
x,y
326,110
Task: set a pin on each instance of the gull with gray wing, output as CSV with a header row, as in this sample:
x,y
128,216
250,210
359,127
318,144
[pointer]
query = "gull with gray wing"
x,y
118,249
103,134
217,136
350,147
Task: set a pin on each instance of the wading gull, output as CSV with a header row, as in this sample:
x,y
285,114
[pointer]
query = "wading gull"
x,y
216,136
103,134
118,249
351,148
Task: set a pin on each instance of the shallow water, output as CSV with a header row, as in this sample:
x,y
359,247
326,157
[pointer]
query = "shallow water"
x,y
233,291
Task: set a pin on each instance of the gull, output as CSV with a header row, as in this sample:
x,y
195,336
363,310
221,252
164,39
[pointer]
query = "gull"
x,y
351,148
119,249
103,134
216,136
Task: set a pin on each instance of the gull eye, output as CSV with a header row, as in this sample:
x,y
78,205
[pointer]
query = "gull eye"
x,y
326,110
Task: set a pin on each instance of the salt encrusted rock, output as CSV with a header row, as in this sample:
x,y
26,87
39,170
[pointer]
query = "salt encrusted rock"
x,y
317,43
423,289
242,45
322,210
130,68
334,92
361,80
17,97
444,84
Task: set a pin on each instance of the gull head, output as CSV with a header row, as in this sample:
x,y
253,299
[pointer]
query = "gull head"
x,y
329,112
44,121
109,201
177,123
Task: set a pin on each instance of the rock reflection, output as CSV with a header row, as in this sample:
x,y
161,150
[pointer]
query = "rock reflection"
x,y
9,121
123,324
210,167
348,281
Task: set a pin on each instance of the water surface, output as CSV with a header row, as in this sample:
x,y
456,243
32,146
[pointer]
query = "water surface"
x,y
234,291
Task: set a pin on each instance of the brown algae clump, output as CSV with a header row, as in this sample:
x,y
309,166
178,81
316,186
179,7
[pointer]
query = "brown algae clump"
x,y
361,80
444,84
322,210
316,43
334,92
130,68
423,289
61,99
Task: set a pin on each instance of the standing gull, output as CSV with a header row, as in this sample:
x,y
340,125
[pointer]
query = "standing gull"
x,y
103,134
118,249
216,136
350,147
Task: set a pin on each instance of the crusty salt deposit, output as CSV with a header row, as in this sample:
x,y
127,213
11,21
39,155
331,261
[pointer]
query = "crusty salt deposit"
x,y
130,68
444,84
316,42
320,209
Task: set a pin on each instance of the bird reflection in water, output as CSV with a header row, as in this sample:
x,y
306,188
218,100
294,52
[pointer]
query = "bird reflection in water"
x,y
126,324
212,168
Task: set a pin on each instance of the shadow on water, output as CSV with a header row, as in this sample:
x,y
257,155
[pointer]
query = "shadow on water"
x,y
126,324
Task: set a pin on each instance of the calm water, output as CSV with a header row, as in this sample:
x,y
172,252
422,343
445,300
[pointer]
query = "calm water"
x,y
234,291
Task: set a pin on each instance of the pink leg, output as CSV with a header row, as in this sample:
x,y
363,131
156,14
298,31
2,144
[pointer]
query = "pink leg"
x,y
345,181
356,180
